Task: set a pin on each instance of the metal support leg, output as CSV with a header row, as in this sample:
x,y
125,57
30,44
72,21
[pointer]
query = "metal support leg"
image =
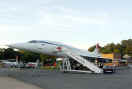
x,y
66,65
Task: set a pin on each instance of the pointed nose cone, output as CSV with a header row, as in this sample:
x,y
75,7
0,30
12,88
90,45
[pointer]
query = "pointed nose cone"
x,y
17,46
11,45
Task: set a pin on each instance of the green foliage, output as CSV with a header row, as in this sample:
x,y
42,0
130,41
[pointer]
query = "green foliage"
x,y
109,48
29,56
104,50
92,48
8,53
32,57
116,51
125,47
2,53
47,59
44,57
25,56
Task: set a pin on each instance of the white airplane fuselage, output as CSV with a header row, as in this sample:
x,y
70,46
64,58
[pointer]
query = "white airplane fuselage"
x,y
50,48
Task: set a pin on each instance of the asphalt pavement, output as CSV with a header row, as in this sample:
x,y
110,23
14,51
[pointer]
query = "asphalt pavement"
x,y
45,79
10,83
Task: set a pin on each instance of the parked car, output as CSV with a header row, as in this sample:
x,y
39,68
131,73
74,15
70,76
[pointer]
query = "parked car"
x,y
31,65
109,69
8,63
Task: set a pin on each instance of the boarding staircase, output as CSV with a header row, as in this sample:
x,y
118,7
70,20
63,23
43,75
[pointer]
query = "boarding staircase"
x,y
83,61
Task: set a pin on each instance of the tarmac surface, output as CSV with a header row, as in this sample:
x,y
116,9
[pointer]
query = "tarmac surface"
x,y
10,83
45,79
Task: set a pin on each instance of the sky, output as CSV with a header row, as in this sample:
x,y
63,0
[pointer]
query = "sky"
x,y
80,23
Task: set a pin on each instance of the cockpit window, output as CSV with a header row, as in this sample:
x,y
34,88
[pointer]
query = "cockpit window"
x,y
33,41
44,42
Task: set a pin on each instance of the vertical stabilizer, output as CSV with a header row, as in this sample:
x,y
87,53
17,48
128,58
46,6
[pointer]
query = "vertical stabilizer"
x,y
96,50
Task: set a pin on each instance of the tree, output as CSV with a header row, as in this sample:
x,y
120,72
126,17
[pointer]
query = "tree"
x,y
124,48
91,49
10,53
127,47
46,59
109,48
32,57
117,48
2,53
29,56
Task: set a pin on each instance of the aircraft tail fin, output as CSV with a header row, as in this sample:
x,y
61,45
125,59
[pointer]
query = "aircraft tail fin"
x,y
97,49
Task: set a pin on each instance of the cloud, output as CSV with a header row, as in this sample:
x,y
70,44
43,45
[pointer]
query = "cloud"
x,y
60,20
44,12
13,28
68,18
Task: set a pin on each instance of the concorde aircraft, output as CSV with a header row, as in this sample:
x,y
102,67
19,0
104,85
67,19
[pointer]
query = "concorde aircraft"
x,y
60,50
53,48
